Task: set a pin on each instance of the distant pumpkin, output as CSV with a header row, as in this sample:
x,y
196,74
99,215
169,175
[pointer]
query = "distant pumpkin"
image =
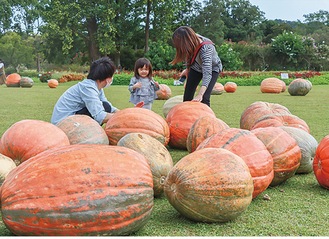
x,y
13,80
164,93
230,87
271,85
52,83
26,82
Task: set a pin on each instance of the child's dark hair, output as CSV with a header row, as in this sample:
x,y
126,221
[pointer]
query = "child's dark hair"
x,y
101,69
140,63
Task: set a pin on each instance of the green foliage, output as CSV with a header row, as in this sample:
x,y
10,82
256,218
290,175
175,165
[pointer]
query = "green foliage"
x,y
230,58
45,77
160,54
288,46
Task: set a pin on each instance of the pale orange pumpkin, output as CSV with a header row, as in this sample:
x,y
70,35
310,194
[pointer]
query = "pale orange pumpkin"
x,y
271,85
164,93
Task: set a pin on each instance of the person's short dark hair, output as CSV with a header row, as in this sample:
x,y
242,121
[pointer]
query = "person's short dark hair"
x,y
101,69
140,63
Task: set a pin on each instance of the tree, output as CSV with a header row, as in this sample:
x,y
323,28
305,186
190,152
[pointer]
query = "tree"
x,y
241,20
288,46
16,51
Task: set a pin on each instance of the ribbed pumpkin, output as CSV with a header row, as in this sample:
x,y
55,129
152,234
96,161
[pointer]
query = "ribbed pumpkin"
x,y
271,85
307,144
181,118
218,89
230,87
300,87
82,129
171,102
285,152
156,154
164,93
210,185
6,165
258,109
203,128
78,190
277,120
52,83
13,80
321,163
254,153
137,120
27,138
26,82
284,86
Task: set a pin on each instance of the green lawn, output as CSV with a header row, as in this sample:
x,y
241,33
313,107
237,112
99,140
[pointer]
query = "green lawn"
x,y
297,207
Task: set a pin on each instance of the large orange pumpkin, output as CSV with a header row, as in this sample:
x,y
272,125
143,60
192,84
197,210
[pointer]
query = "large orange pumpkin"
x,y
271,85
210,185
258,109
181,118
321,163
27,138
203,128
137,120
78,190
82,129
156,154
285,152
277,120
246,145
13,80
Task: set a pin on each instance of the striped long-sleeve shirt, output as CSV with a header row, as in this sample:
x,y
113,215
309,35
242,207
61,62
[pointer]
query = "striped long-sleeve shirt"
x,y
207,61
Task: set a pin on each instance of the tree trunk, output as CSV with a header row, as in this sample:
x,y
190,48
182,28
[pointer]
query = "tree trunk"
x,y
147,26
93,48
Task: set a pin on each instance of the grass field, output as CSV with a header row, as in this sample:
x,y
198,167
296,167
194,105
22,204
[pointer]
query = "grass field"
x,y
297,207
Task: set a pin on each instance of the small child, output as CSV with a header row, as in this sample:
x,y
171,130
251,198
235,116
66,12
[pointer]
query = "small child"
x,y
142,87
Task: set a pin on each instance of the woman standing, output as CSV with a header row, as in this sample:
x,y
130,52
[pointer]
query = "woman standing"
x,y
202,63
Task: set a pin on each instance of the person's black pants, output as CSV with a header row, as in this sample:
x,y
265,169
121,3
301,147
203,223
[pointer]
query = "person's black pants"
x,y
85,111
192,83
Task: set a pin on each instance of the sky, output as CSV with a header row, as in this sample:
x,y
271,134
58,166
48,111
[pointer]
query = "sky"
x,y
290,10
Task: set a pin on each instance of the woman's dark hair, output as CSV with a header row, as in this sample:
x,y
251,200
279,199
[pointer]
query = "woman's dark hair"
x,y
185,41
101,69
140,63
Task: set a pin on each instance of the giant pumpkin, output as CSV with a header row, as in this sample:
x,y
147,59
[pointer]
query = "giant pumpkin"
x,y
13,80
307,144
271,85
210,185
157,156
247,146
277,120
321,163
285,152
299,87
82,129
171,102
258,109
181,118
203,128
27,138
137,120
78,190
